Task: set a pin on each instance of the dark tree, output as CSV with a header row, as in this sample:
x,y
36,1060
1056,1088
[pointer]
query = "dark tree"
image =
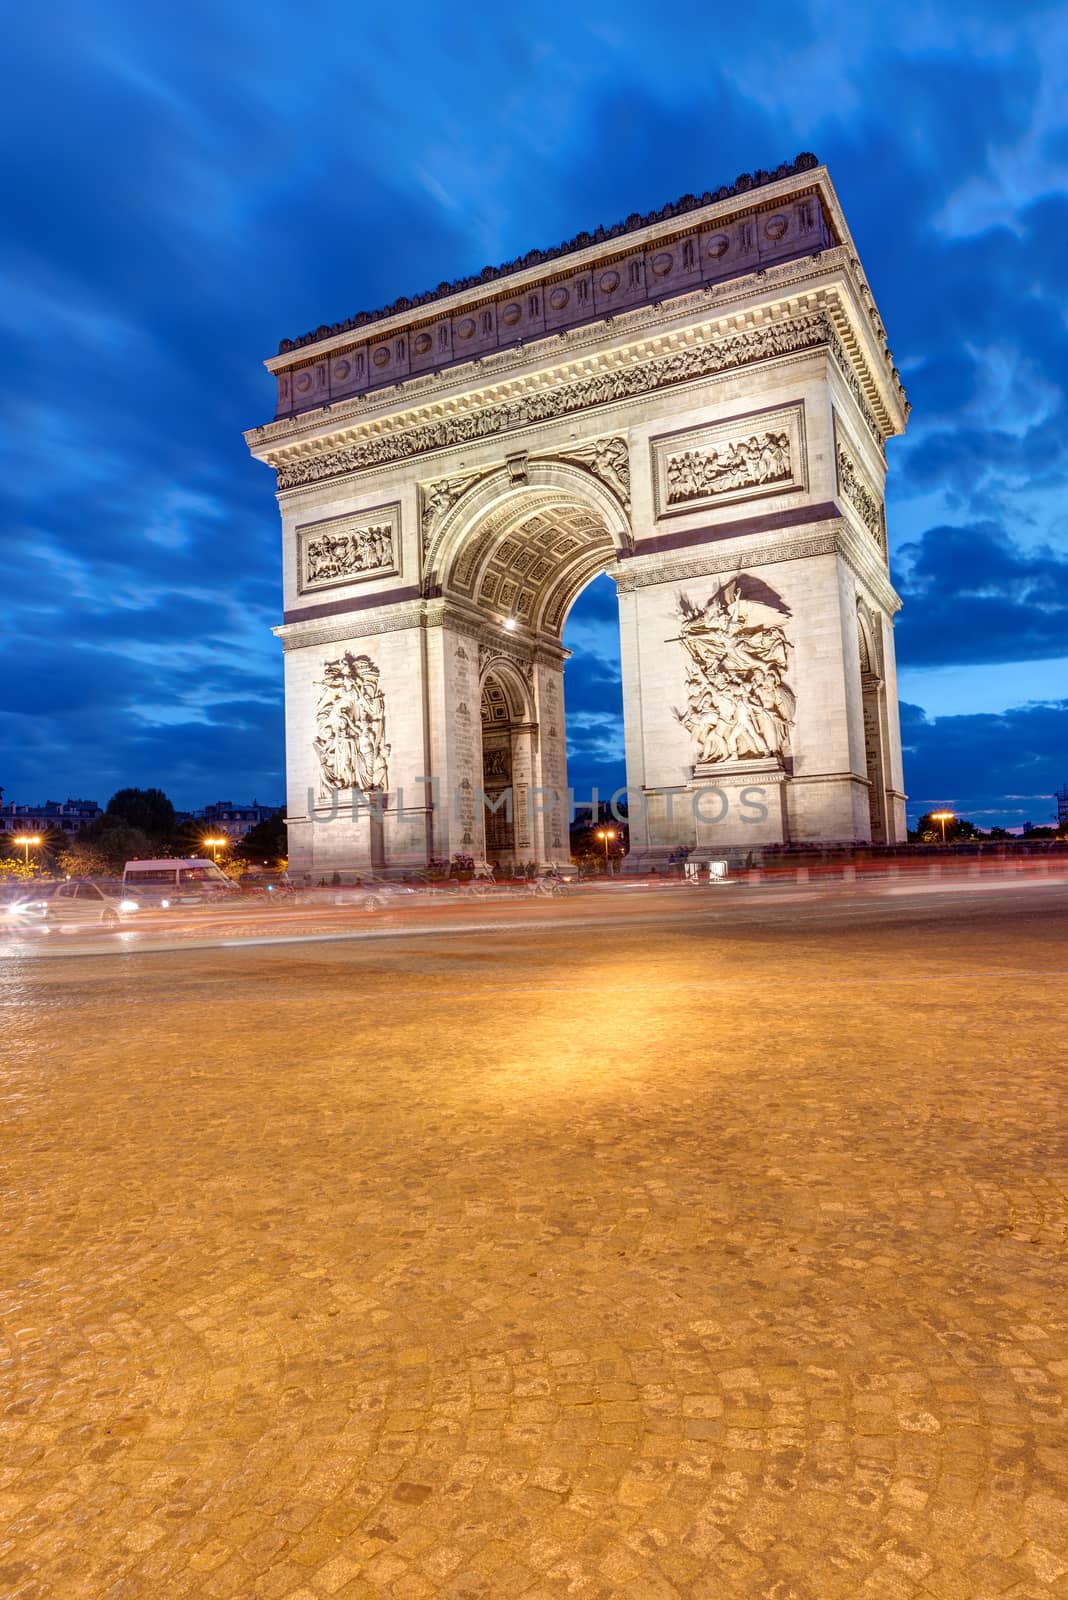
x,y
146,809
929,831
105,845
267,840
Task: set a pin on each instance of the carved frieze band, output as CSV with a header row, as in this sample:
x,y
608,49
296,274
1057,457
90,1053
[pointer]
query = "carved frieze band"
x,y
741,458
797,334
857,489
348,549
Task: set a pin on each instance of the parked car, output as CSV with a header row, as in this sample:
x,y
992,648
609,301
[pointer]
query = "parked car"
x,y
76,903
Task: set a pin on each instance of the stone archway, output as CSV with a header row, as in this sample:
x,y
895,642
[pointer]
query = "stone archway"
x,y
696,402
508,558
509,735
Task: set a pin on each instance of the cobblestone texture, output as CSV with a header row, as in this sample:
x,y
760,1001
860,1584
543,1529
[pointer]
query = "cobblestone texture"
x,y
645,1264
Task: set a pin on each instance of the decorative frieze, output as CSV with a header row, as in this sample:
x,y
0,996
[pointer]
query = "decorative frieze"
x,y
350,727
741,458
792,336
799,276
347,549
856,488
689,203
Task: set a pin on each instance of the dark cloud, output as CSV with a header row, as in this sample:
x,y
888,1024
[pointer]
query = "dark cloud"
x,y
188,186
998,770
973,595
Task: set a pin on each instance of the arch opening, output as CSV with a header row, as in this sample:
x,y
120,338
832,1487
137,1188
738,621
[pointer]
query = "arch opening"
x,y
874,719
520,564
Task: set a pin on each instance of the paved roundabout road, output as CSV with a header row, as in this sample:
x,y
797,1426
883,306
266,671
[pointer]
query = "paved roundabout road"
x,y
685,1255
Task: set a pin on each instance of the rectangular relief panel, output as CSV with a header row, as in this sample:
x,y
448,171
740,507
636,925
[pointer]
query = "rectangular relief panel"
x,y
855,486
349,549
741,458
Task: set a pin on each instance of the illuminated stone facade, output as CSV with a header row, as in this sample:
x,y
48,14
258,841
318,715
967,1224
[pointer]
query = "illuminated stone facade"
x,y
697,403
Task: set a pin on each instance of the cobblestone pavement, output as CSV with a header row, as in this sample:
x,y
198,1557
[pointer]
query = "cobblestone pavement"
x,y
702,1260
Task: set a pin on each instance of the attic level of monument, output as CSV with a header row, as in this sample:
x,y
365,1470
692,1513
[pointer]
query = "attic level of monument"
x,y
596,279
805,162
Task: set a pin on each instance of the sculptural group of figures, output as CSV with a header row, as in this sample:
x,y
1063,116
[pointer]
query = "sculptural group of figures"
x,y
739,706
337,555
351,727
697,473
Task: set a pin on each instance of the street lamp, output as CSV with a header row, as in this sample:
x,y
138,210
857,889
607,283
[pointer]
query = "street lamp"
x,y
943,817
606,834
215,843
25,840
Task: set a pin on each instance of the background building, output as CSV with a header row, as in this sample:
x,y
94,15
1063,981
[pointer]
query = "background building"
x,y
233,819
68,816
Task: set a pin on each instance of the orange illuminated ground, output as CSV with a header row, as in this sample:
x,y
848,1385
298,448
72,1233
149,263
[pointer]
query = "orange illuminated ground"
x,y
706,1249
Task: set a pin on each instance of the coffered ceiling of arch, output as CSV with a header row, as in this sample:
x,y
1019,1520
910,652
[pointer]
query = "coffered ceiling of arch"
x,y
530,558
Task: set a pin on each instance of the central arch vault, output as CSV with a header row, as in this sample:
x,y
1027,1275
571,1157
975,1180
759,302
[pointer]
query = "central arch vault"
x,y
695,402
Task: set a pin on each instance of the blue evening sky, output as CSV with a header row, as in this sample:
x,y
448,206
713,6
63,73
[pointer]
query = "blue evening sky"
x,y
188,184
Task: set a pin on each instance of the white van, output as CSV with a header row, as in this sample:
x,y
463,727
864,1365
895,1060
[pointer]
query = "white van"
x,y
186,881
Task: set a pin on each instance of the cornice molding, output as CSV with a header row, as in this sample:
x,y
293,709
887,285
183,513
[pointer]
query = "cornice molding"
x,y
819,541
835,537
424,614
620,379
432,390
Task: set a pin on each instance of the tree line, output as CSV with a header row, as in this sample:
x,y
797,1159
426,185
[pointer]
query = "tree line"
x,y
140,823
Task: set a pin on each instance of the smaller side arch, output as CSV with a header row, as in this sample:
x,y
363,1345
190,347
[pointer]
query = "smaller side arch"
x,y
517,689
869,634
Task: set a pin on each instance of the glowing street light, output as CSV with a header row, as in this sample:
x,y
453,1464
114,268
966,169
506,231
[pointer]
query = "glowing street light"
x,y
943,817
25,840
606,834
215,846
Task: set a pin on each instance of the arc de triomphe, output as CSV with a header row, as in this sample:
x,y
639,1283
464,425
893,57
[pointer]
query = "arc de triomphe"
x,y
696,402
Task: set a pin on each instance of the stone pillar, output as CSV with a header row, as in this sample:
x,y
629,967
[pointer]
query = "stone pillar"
x,y
525,825
814,786
554,843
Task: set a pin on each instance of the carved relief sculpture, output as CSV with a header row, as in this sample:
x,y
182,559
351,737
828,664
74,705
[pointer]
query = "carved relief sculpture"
x,y
609,460
349,554
855,488
350,727
739,706
741,458
346,549
697,474
438,498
